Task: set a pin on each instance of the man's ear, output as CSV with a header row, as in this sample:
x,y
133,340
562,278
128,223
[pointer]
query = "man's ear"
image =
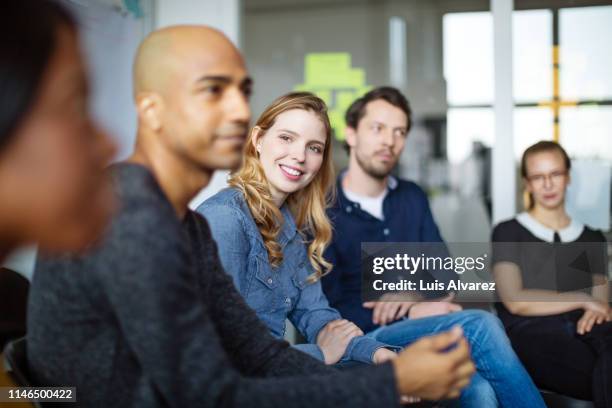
x,y
350,136
149,106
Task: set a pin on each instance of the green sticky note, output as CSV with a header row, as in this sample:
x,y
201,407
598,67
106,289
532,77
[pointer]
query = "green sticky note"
x,y
325,95
331,77
324,69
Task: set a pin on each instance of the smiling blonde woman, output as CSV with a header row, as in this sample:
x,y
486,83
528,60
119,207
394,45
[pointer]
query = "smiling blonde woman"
x,y
271,229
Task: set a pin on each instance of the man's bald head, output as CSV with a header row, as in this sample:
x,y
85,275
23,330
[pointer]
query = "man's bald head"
x,y
167,53
191,89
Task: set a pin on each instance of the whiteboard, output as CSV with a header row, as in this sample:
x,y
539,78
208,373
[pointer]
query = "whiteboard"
x,y
109,39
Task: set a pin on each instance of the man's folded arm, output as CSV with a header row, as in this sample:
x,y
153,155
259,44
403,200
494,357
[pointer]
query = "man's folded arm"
x,y
155,299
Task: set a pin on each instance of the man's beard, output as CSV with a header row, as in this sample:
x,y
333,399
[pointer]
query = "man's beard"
x,y
373,171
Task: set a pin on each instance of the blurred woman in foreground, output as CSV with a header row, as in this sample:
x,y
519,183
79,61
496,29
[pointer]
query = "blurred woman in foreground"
x,y
53,190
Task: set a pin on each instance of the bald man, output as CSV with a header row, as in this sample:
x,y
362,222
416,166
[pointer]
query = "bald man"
x,y
149,318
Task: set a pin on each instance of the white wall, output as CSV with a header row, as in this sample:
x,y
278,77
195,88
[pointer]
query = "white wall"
x,y
109,39
221,14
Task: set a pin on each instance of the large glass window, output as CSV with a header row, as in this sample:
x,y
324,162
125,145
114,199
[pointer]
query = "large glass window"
x,y
532,57
586,131
580,103
466,126
585,58
585,53
468,58
531,124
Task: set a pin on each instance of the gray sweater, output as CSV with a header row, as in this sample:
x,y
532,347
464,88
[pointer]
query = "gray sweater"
x,y
150,319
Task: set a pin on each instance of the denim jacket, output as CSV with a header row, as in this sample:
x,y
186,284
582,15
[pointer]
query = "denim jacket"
x,y
276,294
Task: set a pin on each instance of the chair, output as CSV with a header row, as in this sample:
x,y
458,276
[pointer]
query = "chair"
x,y
16,364
13,305
554,400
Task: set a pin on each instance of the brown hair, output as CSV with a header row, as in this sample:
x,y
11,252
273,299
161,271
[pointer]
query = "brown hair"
x,y
357,110
307,205
541,146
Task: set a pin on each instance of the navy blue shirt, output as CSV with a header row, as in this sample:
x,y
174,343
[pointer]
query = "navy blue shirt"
x,y
407,218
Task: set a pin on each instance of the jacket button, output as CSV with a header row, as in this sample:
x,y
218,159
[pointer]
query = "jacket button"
x,y
287,300
386,231
270,280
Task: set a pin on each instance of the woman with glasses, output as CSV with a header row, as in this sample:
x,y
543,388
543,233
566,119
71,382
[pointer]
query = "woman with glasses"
x,y
551,274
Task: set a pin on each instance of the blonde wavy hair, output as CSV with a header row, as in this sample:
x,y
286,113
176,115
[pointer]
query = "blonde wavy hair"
x,y
307,205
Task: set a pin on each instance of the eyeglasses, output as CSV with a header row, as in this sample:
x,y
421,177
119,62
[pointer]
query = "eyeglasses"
x,y
539,180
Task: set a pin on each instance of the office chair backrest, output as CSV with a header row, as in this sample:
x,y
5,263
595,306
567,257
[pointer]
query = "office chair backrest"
x,y
16,364
13,305
554,400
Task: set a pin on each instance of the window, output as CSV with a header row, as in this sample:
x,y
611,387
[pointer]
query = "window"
x,y
582,103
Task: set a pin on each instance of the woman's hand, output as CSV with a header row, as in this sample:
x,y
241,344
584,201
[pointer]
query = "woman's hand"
x,y
596,306
335,337
387,312
590,318
382,355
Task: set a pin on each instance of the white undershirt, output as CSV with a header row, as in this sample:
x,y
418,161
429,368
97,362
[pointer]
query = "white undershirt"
x,y
372,205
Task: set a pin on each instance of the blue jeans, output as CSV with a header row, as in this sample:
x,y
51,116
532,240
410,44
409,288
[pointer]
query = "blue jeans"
x,y
500,379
